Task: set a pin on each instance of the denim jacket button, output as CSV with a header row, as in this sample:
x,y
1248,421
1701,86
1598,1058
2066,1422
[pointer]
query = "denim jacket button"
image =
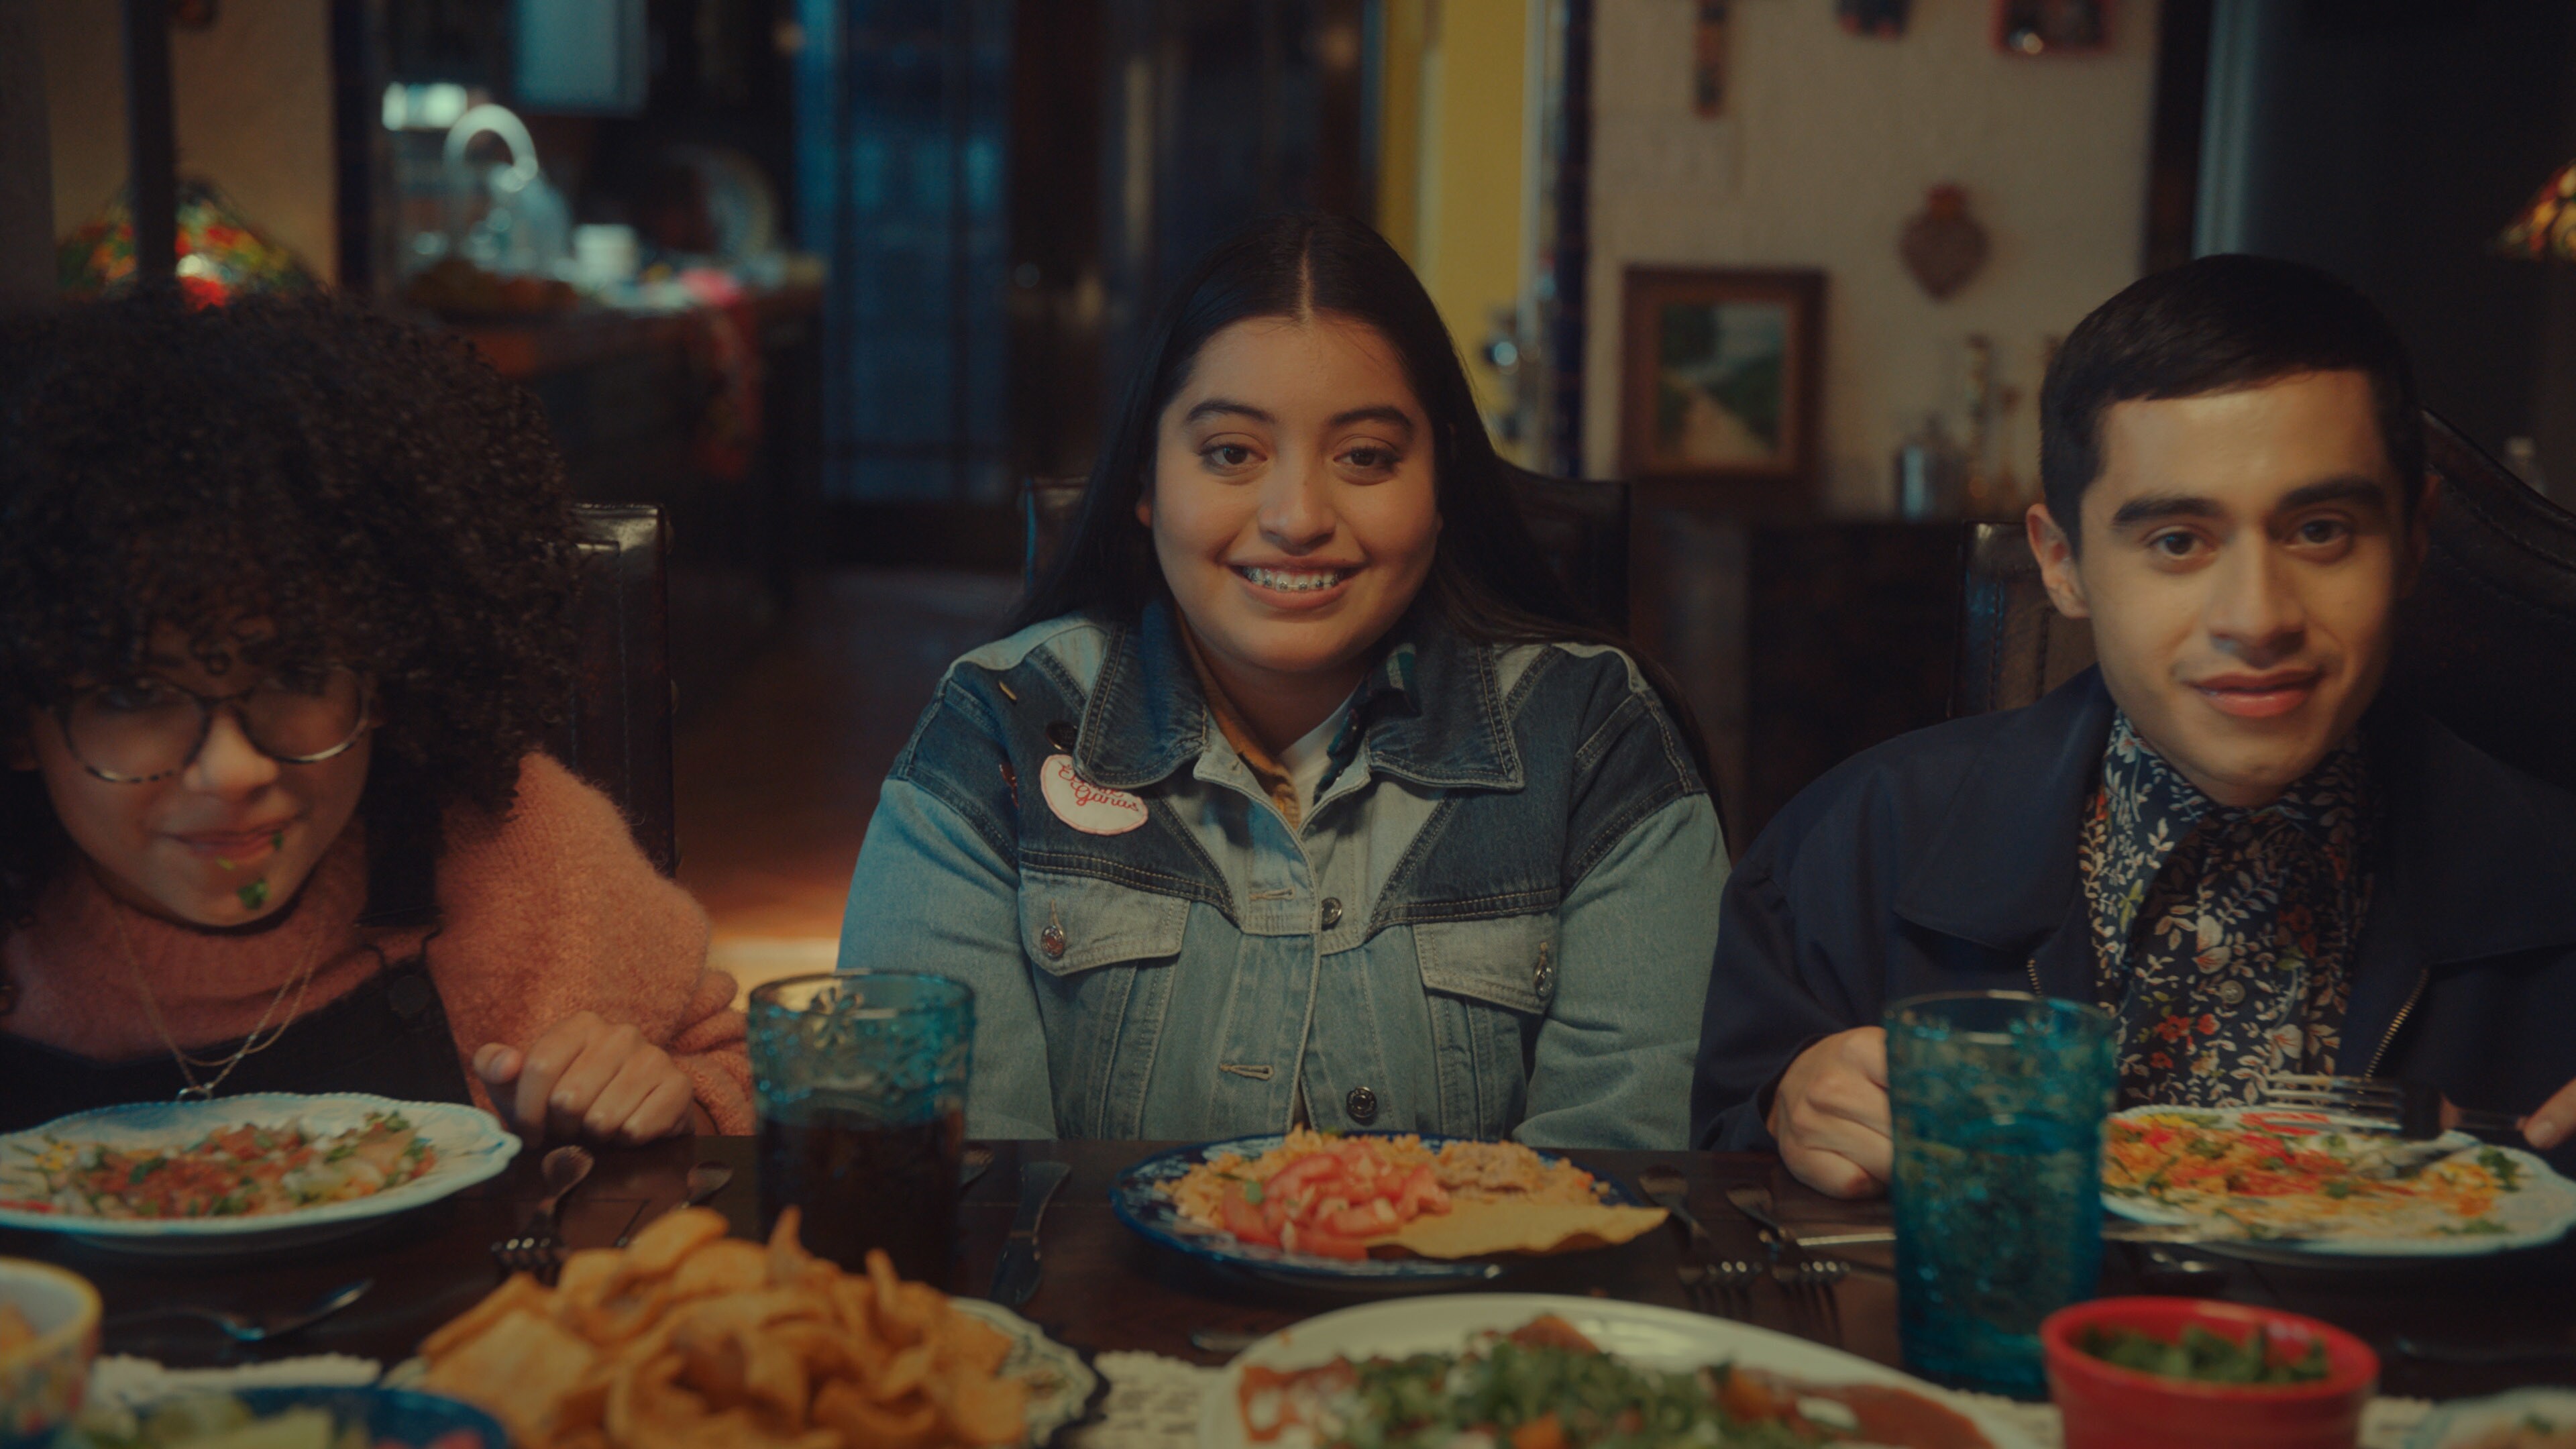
x,y
1362,1104
1061,735
1051,940
1332,913
1543,980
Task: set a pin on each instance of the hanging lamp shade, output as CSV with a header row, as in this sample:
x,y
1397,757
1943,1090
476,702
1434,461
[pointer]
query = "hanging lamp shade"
x,y
2545,229
221,256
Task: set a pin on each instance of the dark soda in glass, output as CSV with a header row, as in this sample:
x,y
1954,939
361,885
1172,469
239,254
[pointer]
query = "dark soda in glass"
x,y
864,1183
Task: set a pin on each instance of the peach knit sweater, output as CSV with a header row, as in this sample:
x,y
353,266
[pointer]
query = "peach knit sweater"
x,y
549,910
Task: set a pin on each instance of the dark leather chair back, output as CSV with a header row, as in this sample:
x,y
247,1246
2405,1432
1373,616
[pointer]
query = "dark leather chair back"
x,y
1581,528
2013,644
2486,644
617,731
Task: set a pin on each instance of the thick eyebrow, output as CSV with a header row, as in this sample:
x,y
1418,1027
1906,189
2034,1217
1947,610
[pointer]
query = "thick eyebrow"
x,y
1218,407
2351,488
1386,413
2159,507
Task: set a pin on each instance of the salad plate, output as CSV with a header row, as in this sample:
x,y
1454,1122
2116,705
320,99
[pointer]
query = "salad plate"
x,y
2310,1188
1642,1335
1143,1198
242,1174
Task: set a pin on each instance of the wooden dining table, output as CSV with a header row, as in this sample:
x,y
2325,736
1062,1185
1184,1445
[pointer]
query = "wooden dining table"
x,y
1104,1287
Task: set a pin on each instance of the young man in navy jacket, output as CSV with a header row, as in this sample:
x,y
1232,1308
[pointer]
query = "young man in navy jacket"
x,y
2213,834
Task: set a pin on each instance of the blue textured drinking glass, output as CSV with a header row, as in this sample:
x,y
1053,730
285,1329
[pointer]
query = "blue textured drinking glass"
x,y
861,1081
1998,1099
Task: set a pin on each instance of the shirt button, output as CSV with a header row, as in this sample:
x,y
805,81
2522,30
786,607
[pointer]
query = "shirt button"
x,y
2231,992
1362,1104
1051,940
1332,918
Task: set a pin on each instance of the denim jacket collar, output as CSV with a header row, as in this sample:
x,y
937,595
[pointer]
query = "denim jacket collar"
x,y
1432,711
2470,848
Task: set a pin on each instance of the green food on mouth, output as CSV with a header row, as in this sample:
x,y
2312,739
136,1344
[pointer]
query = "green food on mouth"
x,y
2205,1357
254,895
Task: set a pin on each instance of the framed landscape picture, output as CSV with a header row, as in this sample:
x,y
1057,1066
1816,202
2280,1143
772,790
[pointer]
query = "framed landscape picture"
x,y
1719,382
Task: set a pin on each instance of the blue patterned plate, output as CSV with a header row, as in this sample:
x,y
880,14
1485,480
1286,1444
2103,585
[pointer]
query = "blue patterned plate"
x,y
472,1147
1141,1204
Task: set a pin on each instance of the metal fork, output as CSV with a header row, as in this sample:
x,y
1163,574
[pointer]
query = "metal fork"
x,y
1809,1284
538,1245
1723,1287
2415,1110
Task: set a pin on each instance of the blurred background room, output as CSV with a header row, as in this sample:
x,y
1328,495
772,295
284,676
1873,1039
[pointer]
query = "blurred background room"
x,y
843,286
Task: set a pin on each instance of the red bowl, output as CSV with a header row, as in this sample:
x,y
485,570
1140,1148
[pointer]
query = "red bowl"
x,y
2109,1407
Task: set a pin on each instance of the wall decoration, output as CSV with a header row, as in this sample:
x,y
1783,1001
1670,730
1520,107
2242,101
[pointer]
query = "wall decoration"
x,y
1884,19
1708,59
1720,382
2052,27
1942,245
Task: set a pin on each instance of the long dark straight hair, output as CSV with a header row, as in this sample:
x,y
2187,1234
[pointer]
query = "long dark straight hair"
x,y
1489,581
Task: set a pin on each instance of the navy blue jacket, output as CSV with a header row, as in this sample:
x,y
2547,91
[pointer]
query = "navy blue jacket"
x,y
1945,860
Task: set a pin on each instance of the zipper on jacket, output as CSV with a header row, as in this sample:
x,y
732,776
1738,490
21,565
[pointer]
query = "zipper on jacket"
x,y
2032,966
2422,978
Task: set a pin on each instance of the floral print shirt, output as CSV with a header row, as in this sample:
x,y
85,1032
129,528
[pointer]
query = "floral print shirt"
x,y
2223,937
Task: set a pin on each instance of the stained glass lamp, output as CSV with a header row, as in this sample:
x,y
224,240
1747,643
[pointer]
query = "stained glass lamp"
x,y
221,256
2545,229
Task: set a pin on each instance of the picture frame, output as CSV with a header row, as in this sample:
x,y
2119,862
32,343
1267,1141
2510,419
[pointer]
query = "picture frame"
x,y
1721,383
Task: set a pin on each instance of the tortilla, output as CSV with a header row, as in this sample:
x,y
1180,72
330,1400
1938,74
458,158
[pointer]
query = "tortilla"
x,y
1474,1230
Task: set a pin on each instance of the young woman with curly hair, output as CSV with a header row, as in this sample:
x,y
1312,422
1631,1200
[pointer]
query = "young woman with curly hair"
x,y
281,591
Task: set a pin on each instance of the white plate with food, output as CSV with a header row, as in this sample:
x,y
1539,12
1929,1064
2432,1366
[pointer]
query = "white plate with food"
x,y
2522,1419
1693,1376
241,1174
2310,1186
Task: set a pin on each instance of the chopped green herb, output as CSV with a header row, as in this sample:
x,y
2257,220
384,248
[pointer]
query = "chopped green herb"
x,y
2208,1357
253,895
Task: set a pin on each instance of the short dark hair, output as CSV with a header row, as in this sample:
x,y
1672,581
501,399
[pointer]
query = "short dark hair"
x,y
2216,325
379,493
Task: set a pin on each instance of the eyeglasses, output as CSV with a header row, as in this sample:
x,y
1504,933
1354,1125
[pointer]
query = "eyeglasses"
x,y
150,729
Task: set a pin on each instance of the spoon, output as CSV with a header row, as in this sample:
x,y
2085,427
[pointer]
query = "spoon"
x,y
244,1329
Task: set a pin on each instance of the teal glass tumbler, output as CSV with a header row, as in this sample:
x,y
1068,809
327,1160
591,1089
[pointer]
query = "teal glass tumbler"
x,y
860,1078
1998,1099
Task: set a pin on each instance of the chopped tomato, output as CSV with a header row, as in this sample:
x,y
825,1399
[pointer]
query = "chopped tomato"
x,y
1543,1432
1371,1219
1421,1193
1244,1220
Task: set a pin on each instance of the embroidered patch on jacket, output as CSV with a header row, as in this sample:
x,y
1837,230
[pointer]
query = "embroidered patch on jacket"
x,y
1089,808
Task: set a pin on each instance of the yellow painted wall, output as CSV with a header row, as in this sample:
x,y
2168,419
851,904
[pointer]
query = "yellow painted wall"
x,y
251,97
1450,164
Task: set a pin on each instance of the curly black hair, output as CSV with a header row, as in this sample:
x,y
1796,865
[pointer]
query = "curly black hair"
x,y
375,492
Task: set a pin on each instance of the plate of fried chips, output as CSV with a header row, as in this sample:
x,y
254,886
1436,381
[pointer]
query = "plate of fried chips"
x,y
690,1339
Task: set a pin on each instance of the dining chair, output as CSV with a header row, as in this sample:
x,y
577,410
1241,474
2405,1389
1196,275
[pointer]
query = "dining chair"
x,y
616,728
2486,643
1581,529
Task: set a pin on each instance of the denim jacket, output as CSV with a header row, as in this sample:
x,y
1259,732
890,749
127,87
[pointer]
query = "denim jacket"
x,y
1495,919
